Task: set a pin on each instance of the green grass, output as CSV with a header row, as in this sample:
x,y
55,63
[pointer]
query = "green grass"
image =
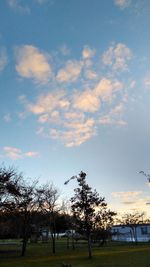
x,y
112,255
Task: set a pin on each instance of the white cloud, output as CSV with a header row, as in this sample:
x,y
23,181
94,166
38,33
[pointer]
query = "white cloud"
x,y
7,117
64,50
76,133
70,73
128,198
31,154
132,84
147,82
44,1
48,103
122,3
117,57
15,153
90,74
126,195
52,117
114,116
130,201
68,116
88,52
3,59
86,101
106,88
33,64
18,7
12,152
73,114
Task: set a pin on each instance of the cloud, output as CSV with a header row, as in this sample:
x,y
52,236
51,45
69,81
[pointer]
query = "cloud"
x,y
15,153
117,57
18,7
31,154
132,84
131,201
127,198
147,82
33,64
60,120
122,3
70,73
76,133
86,101
88,52
3,59
7,117
49,102
65,51
126,195
106,88
74,114
67,117
41,2
90,74
114,116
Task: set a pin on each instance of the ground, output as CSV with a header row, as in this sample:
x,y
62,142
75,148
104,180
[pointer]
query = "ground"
x,y
112,255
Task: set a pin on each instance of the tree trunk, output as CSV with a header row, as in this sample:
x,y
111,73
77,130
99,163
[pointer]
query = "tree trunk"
x,y
53,234
53,242
24,245
25,230
89,246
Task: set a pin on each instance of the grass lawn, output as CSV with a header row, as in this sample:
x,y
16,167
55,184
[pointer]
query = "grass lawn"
x,y
112,255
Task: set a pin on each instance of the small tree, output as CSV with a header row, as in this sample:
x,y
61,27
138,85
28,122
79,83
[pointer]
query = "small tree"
x,y
85,206
132,220
48,196
103,223
26,203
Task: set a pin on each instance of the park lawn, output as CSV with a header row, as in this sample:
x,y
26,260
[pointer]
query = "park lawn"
x,y
39,255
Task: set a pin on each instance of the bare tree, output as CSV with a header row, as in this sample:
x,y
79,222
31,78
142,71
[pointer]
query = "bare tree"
x,y
132,220
26,203
48,196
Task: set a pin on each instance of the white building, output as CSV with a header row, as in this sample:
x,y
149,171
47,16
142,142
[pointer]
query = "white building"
x,y
141,232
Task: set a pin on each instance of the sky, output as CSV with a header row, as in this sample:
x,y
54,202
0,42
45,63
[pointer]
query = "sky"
x,y
75,94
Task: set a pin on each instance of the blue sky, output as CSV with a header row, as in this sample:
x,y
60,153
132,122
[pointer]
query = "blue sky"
x,y
75,94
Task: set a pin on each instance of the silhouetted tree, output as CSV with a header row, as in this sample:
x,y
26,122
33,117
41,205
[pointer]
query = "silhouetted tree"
x,y
102,225
48,196
26,203
132,220
9,188
85,206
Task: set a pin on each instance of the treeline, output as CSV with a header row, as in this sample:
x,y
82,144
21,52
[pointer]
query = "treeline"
x,y
27,207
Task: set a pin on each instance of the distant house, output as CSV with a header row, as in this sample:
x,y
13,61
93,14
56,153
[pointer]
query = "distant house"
x,y
132,233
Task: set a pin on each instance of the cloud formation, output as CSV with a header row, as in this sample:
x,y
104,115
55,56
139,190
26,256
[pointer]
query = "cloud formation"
x,y
117,57
86,102
7,117
127,198
15,153
88,52
122,3
114,116
18,7
70,72
32,63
